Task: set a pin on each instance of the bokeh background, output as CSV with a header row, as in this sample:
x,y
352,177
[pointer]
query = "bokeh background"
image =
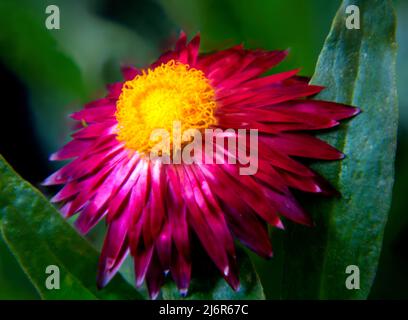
x,y
46,74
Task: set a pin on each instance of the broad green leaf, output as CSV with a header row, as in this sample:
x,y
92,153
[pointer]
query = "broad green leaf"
x,y
358,68
14,283
207,286
38,236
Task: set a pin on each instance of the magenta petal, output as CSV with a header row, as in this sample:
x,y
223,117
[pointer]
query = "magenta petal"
x,y
193,48
232,276
163,247
129,72
142,257
302,145
211,241
115,249
180,269
99,114
181,42
72,149
154,277
114,90
89,217
157,199
323,108
248,228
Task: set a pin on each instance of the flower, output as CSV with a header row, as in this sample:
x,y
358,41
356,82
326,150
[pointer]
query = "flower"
x,y
152,207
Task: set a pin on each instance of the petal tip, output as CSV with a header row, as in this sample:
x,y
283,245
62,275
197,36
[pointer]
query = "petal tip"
x,y
226,271
53,157
279,225
356,111
101,280
154,295
183,292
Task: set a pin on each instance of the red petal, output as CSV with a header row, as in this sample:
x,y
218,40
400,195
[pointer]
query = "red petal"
x,y
129,72
303,145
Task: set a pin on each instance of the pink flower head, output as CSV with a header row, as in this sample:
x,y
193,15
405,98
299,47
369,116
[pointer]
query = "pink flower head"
x,y
153,207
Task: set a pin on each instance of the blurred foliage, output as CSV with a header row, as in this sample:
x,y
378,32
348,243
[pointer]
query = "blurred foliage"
x,y
300,26
33,55
72,65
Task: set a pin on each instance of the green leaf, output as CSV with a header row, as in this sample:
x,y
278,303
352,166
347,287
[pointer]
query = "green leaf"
x,y
214,287
358,68
38,236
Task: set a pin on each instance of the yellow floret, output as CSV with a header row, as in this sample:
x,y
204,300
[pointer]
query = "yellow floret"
x,y
159,97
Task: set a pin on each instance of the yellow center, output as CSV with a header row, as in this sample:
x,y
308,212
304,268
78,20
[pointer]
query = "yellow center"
x,y
156,99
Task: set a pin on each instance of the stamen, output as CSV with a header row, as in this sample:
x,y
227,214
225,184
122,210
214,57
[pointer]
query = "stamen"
x,y
159,97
